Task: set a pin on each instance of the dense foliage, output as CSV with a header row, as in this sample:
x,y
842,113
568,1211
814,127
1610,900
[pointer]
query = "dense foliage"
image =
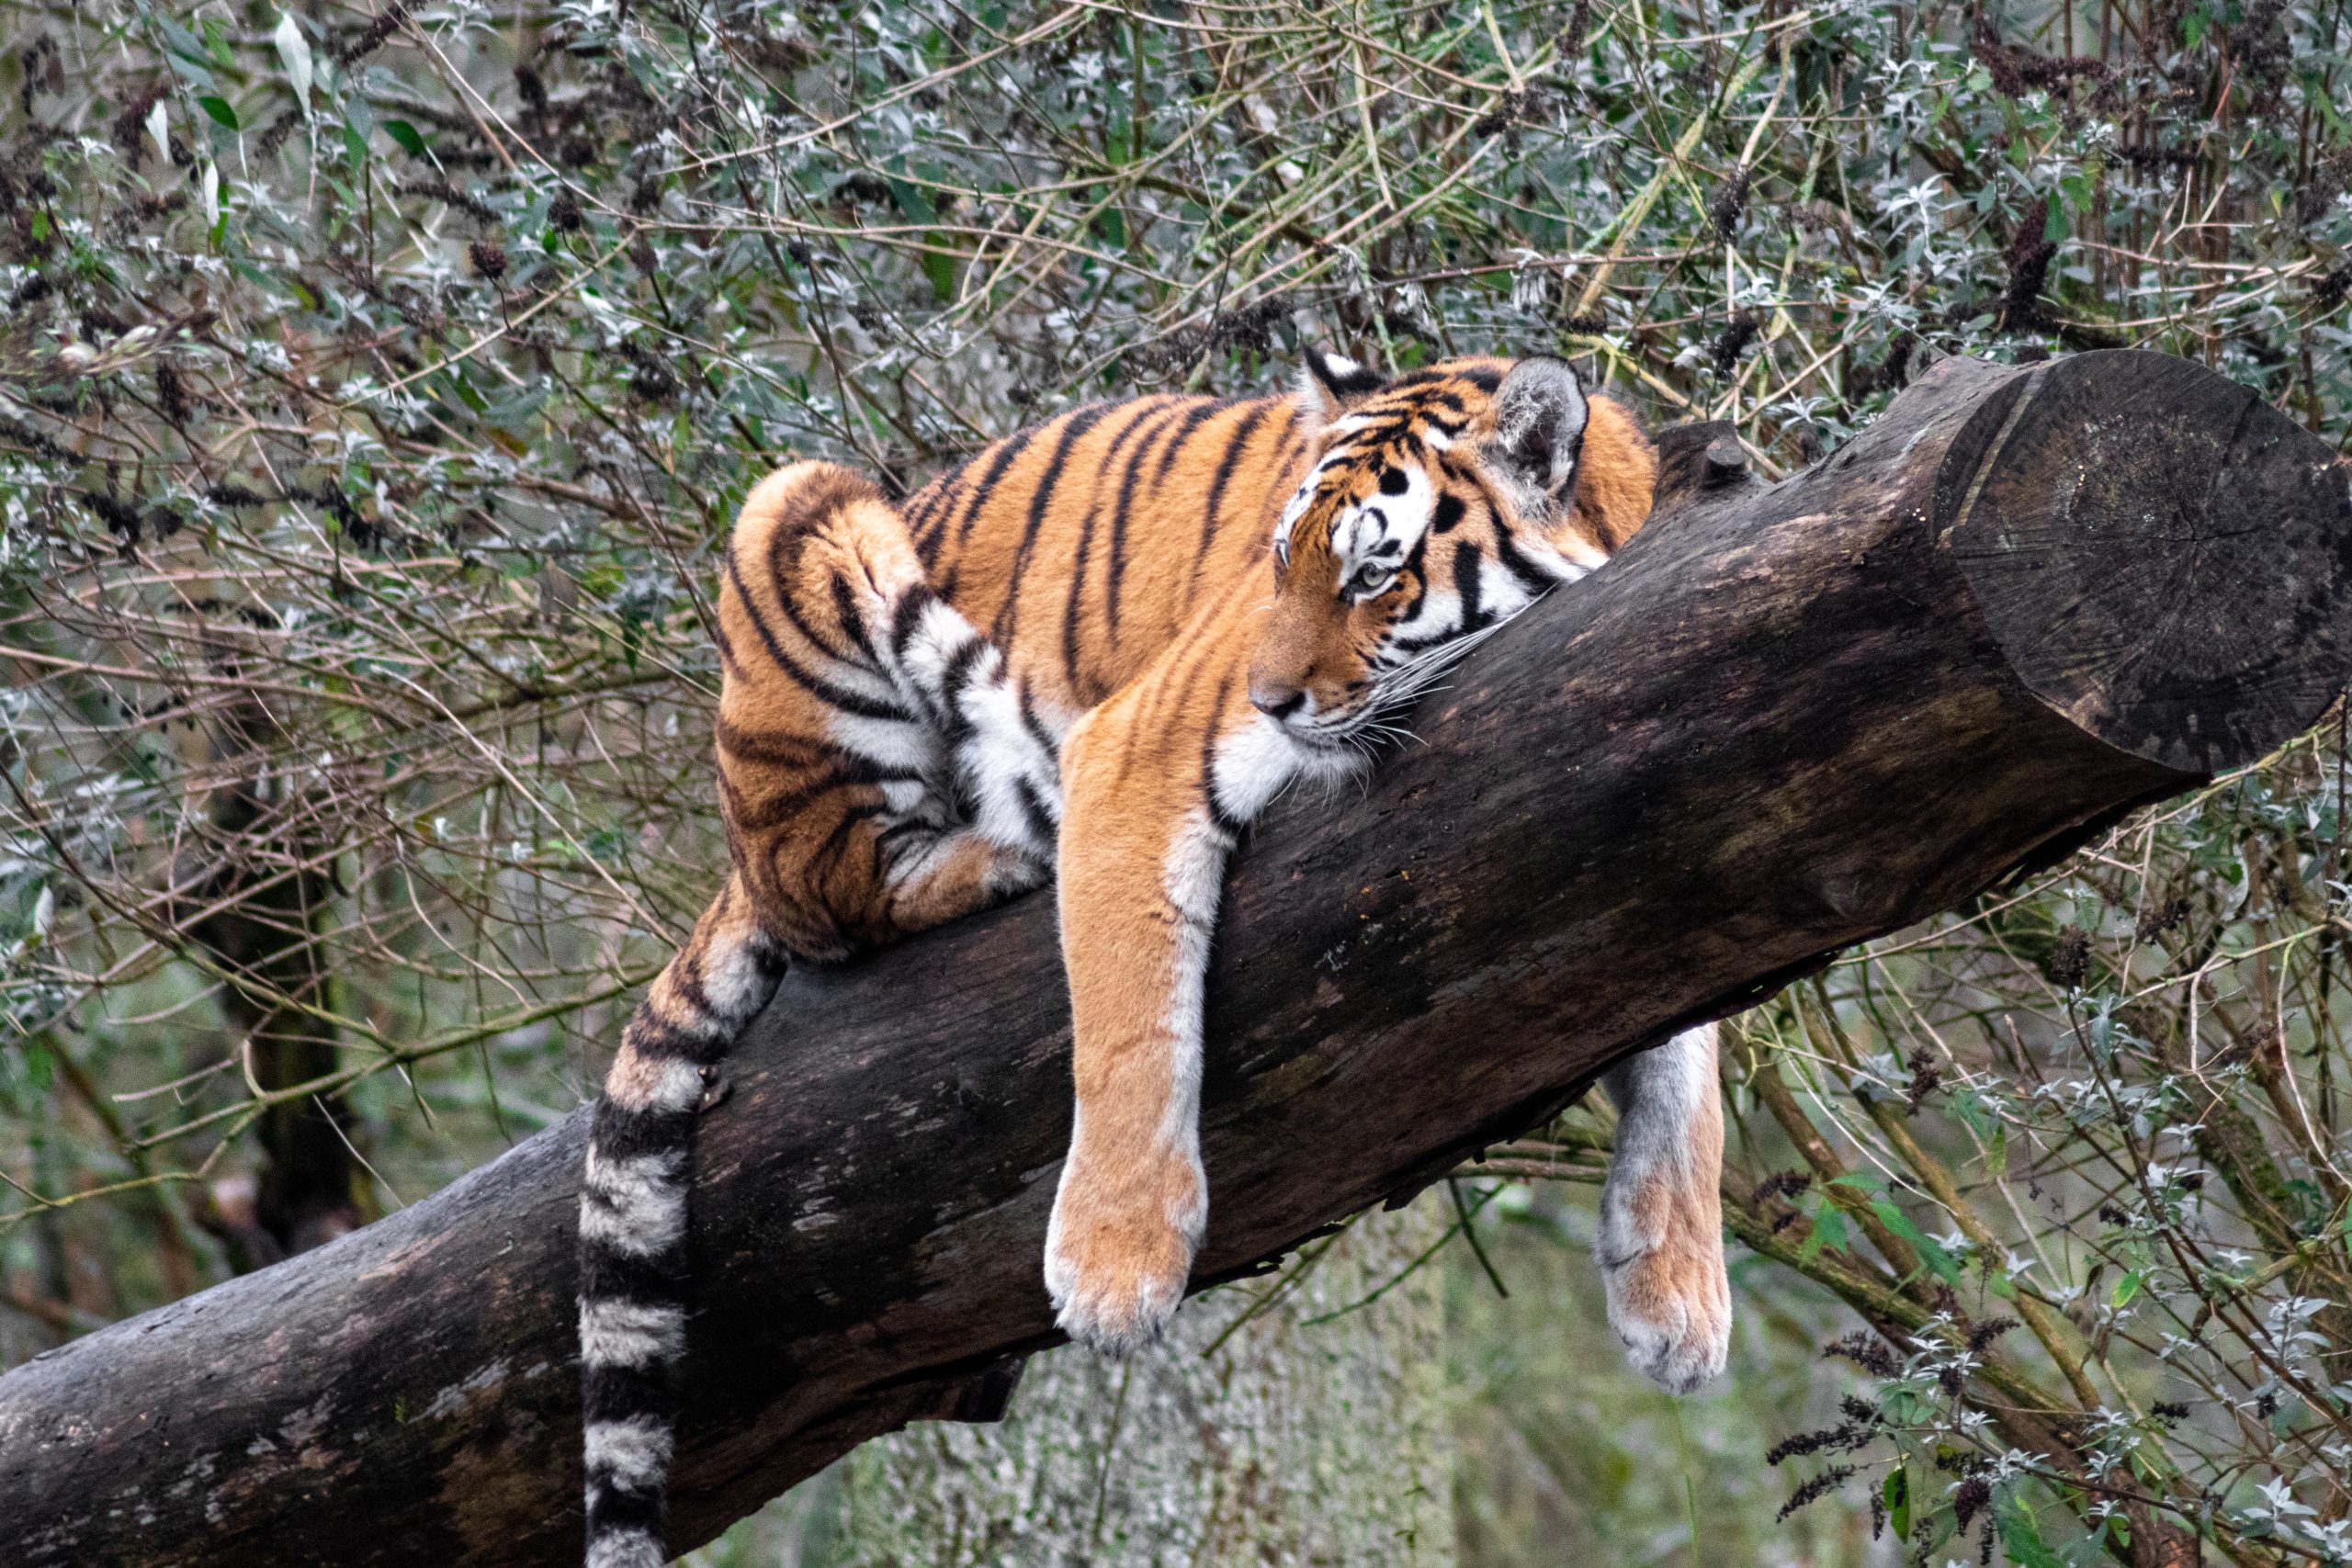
x,y
375,384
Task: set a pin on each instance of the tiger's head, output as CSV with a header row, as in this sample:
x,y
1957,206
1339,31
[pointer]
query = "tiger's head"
x,y
1435,506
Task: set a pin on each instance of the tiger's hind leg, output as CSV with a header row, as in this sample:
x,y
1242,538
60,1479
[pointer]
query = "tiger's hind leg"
x,y
1661,1244
908,779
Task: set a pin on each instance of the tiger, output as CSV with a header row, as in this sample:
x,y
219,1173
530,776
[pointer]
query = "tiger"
x,y
1091,655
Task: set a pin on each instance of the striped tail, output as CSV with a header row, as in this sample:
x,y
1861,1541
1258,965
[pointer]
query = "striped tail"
x,y
633,1222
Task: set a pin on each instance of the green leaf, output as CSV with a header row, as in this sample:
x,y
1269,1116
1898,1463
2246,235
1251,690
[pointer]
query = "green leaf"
x,y
354,143
2053,228
1896,1220
2127,1286
911,199
2020,1538
222,114
1898,1493
1829,1230
940,269
412,142
182,42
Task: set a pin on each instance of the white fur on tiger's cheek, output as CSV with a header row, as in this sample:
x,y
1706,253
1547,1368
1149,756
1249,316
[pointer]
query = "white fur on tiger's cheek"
x,y
1438,615
1381,531
1293,510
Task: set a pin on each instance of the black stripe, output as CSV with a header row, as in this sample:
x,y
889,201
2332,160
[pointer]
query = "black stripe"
x,y
685,978
817,686
845,606
1192,426
1035,727
774,748
888,836
1536,580
908,617
836,842
1467,560
1199,410
848,771
1073,598
952,681
1073,601
1041,821
924,506
650,1035
781,579
1224,467
611,1510
1006,451
608,1274
1073,427
623,1133
1447,512
616,1394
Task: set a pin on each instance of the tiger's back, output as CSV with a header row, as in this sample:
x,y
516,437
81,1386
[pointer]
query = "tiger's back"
x,y
1082,546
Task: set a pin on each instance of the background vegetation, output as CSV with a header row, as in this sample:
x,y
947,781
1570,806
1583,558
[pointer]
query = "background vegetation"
x,y
376,384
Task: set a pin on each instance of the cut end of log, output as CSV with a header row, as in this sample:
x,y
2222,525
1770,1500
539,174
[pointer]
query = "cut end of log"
x,y
2162,556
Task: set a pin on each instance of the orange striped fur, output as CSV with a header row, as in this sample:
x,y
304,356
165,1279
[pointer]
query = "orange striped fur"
x,y
1094,653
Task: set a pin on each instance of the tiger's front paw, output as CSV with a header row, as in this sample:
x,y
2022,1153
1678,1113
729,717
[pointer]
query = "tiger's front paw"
x,y
1120,1249
1661,1256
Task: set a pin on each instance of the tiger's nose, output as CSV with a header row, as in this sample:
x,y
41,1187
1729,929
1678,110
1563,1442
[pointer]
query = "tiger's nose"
x,y
1275,698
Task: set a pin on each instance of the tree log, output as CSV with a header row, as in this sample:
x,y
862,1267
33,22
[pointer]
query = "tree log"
x,y
1787,718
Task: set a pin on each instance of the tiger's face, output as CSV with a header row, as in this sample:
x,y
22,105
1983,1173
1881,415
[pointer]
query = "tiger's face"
x,y
1437,506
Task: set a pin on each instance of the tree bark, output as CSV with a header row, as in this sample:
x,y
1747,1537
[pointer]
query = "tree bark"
x,y
1298,1419
1787,718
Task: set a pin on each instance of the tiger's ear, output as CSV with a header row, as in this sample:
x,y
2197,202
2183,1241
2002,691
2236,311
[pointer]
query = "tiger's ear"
x,y
1330,384
1540,414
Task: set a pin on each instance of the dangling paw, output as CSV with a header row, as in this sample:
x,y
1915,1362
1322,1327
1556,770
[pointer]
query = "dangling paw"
x,y
1661,1256
1118,1254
